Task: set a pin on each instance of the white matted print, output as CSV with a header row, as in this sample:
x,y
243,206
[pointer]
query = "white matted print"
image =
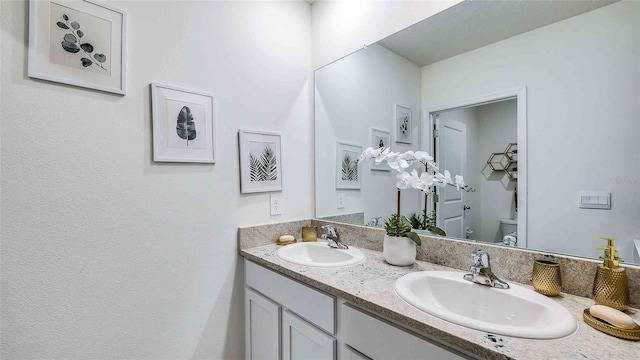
x,y
403,124
81,43
183,125
347,172
260,161
380,139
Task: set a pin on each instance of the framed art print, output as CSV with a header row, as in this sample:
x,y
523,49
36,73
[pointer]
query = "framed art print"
x,y
80,43
183,124
260,161
403,124
347,172
380,139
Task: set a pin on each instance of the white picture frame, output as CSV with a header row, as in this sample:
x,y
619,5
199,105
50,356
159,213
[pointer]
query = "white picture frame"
x,y
404,125
348,174
260,161
183,124
380,138
79,43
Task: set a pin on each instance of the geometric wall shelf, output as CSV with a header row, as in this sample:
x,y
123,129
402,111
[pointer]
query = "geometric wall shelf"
x,y
498,161
506,161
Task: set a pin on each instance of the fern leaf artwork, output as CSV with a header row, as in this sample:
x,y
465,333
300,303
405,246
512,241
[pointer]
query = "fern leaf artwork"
x,y
349,168
263,167
185,126
254,166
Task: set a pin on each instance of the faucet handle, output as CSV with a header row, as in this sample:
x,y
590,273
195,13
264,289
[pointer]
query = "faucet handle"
x,y
480,259
331,230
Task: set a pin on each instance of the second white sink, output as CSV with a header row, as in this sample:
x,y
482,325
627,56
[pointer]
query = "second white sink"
x,y
517,311
320,254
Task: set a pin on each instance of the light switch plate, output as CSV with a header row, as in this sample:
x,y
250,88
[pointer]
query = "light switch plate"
x,y
276,204
594,200
340,200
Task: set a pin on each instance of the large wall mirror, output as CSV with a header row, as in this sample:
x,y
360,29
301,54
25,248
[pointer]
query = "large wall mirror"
x,y
536,104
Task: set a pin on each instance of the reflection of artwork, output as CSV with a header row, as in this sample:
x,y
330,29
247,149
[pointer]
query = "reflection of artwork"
x,y
347,173
260,161
74,40
403,124
379,139
182,125
263,166
80,43
349,166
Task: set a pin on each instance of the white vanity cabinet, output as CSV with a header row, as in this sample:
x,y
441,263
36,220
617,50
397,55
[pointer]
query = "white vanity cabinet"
x,y
287,320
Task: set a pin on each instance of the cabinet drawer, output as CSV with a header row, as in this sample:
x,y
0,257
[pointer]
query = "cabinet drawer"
x,y
310,304
378,339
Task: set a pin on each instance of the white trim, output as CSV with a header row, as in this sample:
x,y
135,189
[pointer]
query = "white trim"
x,y
520,94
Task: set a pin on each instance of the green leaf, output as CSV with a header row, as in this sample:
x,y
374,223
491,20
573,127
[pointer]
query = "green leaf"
x,y
185,126
413,236
254,168
75,25
64,16
70,47
70,38
86,62
87,47
62,25
80,33
437,230
101,58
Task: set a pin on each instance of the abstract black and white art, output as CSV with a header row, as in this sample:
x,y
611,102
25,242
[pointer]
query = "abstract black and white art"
x,y
347,171
183,124
260,161
81,43
403,124
380,139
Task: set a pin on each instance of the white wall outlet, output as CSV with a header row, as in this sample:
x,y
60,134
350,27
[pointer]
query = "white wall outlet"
x,y
340,200
276,204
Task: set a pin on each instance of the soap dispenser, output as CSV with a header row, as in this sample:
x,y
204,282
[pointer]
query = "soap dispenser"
x,y
610,287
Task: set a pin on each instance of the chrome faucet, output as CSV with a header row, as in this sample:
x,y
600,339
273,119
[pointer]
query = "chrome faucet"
x,y
481,271
333,237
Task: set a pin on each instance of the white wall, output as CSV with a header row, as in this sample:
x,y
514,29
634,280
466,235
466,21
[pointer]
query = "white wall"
x,y
106,254
497,127
367,84
342,27
583,81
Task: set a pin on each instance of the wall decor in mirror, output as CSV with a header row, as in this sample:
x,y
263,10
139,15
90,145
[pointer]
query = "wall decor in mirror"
x,y
547,91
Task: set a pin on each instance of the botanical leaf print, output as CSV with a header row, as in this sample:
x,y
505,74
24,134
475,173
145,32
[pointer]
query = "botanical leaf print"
x,y
263,167
70,43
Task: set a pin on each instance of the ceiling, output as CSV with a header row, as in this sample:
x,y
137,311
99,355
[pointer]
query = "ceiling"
x,y
474,24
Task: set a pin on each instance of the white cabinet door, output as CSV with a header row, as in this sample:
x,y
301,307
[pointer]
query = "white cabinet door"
x,y
302,341
262,327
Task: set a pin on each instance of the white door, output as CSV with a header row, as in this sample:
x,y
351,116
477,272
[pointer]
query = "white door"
x,y
262,327
302,341
451,147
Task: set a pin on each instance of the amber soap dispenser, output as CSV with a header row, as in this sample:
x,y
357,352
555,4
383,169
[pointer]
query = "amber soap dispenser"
x,y
610,287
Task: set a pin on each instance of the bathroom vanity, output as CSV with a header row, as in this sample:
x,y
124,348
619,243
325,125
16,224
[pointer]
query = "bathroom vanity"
x,y
352,312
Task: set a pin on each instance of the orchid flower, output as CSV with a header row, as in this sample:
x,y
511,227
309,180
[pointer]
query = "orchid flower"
x,y
423,183
369,153
405,179
460,182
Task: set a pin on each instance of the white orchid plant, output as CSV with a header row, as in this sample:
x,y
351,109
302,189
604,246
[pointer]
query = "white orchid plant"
x,y
407,174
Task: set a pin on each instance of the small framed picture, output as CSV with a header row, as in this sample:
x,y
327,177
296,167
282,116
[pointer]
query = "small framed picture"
x,y
380,139
260,161
183,125
80,43
403,124
347,172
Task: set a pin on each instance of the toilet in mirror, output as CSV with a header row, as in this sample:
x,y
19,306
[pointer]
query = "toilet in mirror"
x,y
534,103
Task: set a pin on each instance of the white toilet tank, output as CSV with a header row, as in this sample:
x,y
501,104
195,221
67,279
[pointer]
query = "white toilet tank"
x,y
508,226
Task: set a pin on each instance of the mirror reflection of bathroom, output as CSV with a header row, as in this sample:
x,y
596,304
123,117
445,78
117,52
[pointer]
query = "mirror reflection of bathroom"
x,y
480,142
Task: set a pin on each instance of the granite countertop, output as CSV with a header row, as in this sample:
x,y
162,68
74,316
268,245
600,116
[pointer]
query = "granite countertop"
x,y
370,286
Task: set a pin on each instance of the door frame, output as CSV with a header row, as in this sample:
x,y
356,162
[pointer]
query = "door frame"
x,y
520,94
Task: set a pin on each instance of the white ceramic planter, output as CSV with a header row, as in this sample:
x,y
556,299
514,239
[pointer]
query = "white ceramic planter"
x,y
399,251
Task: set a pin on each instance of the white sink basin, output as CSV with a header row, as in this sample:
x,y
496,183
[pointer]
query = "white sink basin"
x,y
320,254
517,311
